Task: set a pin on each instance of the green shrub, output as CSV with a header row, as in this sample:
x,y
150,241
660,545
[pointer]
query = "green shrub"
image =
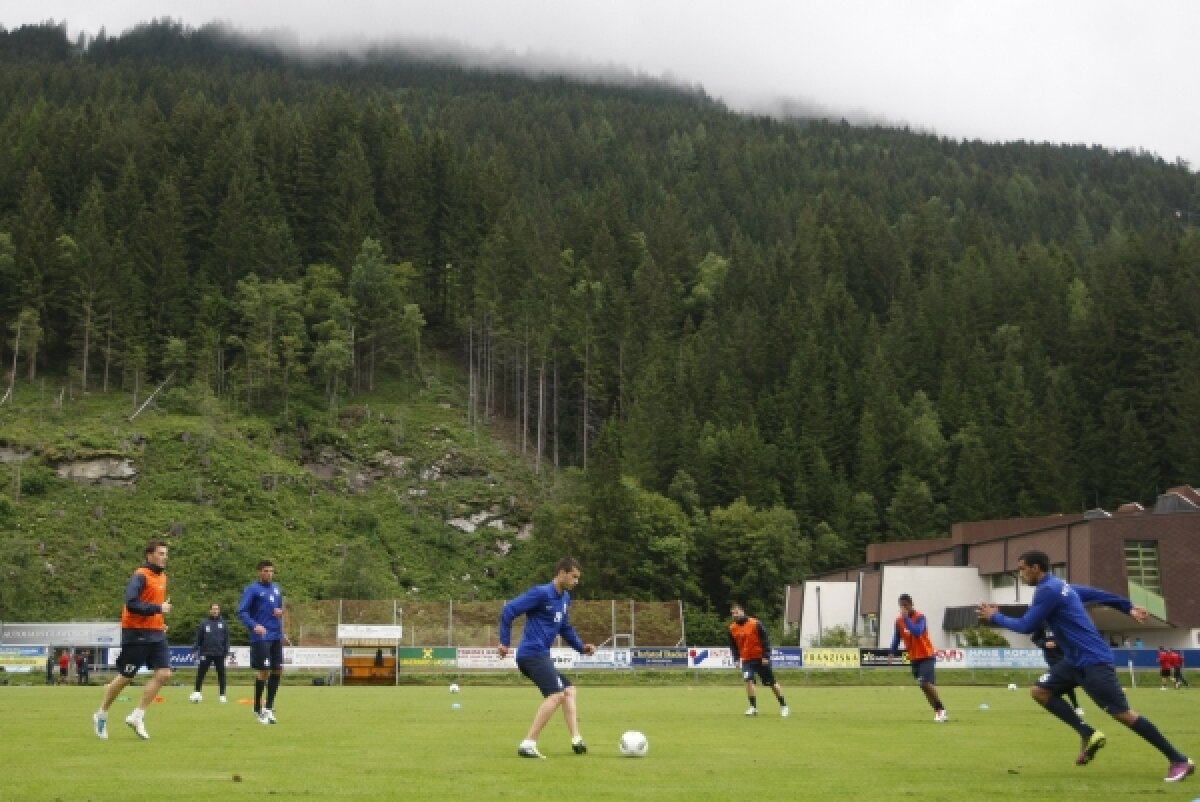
x,y
983,637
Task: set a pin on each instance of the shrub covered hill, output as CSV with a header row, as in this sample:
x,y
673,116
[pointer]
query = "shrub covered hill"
x,y
391,496
726,351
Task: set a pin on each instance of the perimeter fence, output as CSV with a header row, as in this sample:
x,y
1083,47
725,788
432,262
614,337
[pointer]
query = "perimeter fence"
x,y
618,623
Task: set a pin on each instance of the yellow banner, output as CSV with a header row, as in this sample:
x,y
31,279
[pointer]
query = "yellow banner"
x,y
830,658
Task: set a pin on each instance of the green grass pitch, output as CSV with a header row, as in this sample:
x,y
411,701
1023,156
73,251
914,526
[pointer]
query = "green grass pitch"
x,y
854,743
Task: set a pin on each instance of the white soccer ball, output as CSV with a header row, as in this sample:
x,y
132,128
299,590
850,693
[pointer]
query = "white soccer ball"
x,y
1012,686
195,697
633,744
454,687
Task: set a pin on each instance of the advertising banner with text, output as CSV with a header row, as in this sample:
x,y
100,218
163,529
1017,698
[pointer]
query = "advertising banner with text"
x,y
23,659
428,657
817,657
665,657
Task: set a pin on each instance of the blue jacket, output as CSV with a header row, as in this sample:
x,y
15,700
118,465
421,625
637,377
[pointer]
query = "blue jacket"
x,y
212,638
258,607
546,618
1060,607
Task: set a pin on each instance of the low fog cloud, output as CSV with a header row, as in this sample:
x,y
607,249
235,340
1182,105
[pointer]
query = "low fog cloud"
x,y
1107,72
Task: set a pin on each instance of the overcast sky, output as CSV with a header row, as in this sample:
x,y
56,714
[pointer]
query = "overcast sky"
x,y
1109,72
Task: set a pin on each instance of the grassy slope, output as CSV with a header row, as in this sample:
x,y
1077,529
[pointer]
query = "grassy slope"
x,y
240,491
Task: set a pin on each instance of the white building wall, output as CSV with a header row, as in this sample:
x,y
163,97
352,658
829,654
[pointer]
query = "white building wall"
x,y
827,605
933,588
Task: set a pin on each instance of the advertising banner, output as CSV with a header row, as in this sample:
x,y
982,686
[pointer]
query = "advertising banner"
x,y
183,657
428,657
23,659
818,657
75,633
604,658
878,658
667,657
1003,658
370,632
953,658
946,658
484,657
312,657
787,657
293,657
710,657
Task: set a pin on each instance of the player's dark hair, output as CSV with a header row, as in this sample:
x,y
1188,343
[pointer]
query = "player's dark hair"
x,y
566,564
904,597
1037,558
153,545
265,564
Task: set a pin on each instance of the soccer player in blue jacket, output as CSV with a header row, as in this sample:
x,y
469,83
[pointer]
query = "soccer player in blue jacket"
x,y
261,611
1087,661
545,608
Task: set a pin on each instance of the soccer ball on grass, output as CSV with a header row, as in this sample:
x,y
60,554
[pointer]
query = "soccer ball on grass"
x,y
633,744
454,687
1012,686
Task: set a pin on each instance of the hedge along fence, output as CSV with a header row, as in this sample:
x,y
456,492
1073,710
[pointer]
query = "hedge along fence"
x,y
476,623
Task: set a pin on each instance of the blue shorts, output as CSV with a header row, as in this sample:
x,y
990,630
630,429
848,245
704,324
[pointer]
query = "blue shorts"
x,y
757,666
153,655
541,671
1100,682
922,671
266,655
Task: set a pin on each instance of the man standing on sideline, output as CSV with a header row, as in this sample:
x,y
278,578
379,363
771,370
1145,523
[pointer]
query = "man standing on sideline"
x,y
912,627
546,608
1177,668
751,649
261,611
1165,664
83,667
1088,660
212,649
143,639
1043,638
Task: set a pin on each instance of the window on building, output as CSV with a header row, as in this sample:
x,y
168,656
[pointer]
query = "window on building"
x,y
1144,577
1059,570
1004,580
870,624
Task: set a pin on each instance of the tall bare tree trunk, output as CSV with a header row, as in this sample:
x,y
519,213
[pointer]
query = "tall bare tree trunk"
x,y
87,345
554,414
587,401
108,350
541,415
12,377
524,393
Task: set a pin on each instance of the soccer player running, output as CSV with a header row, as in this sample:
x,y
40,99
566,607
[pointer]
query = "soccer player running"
x,y
912,627
212,649
1043,638
751,649
143,640
261,611
545,608
1088,660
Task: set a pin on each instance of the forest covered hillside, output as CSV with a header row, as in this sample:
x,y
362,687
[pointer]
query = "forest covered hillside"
x,y
729,350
